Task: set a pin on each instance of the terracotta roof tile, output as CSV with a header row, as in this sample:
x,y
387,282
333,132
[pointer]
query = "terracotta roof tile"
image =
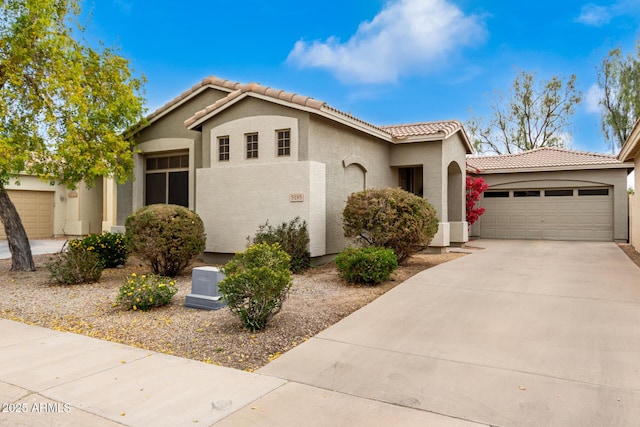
x,y
447,128
444,128
546,157
211,80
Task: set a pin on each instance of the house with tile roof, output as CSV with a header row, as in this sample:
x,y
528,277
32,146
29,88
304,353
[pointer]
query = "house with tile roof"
x,y
630,152
553,193
243,154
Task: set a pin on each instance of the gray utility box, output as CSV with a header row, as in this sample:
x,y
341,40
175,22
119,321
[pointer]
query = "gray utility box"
x,y
204,289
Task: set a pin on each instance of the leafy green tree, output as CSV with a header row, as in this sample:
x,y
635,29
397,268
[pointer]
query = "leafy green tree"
x,y
64,106
534,115
619,81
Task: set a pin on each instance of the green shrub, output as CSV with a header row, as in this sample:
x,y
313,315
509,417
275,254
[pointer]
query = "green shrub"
x,y
75,265
112,248
256,284
371,265
168,237
293,238
146,291
391,218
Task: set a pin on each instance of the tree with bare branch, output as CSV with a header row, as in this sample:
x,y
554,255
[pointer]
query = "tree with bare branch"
x,y
534,115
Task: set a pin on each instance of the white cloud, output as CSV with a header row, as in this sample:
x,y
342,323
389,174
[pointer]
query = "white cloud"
x,y
407,36
595,16
592,99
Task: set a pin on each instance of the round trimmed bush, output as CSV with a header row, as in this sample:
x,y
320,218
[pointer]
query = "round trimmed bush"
x,y
256,284
370,265
168,237
390,218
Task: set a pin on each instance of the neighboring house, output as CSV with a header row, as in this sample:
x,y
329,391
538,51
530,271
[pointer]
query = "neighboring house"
x,y
52,210
553,194
631,153
240,155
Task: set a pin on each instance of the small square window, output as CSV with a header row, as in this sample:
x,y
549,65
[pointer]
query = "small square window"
x,y
284,142
223,148
174,162
152,164
163,163
252,146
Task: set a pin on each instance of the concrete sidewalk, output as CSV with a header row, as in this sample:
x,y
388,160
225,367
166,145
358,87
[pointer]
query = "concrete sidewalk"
x,y
50,378
518,334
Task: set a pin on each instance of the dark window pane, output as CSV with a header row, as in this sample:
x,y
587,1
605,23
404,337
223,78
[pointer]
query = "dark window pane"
x,y
558,193
184,161
527,193
163,163
174,162
179,188
594,192
496,194
155,188
151,164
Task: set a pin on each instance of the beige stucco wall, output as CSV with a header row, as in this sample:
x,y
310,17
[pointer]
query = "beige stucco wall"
x,y
236,130
234,201
634,208
84,210
616,178
353,160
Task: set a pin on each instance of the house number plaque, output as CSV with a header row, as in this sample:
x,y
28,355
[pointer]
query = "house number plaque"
x,y
296,197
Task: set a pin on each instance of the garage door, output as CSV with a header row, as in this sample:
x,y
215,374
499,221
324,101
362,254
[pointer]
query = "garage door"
x,y
548,214
36,211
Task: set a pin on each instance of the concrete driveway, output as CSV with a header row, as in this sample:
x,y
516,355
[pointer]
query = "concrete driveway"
x,y
522,333
38,247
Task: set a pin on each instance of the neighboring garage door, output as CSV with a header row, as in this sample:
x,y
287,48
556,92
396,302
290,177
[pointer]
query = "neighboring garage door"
x,y
36,211
548,214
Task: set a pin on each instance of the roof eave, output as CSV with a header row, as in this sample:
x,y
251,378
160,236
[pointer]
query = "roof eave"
x,y
632,144
327,113
438,136
485,171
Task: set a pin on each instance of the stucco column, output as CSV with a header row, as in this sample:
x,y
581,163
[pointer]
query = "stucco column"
x,y
109,204
435,192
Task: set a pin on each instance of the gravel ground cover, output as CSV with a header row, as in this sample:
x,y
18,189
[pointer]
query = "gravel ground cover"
x,y
318,299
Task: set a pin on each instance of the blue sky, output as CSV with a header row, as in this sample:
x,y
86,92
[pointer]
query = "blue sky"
x,y
386,62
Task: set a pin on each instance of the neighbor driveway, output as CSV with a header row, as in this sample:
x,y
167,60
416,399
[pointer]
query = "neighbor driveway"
x,y
38,247
522,333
